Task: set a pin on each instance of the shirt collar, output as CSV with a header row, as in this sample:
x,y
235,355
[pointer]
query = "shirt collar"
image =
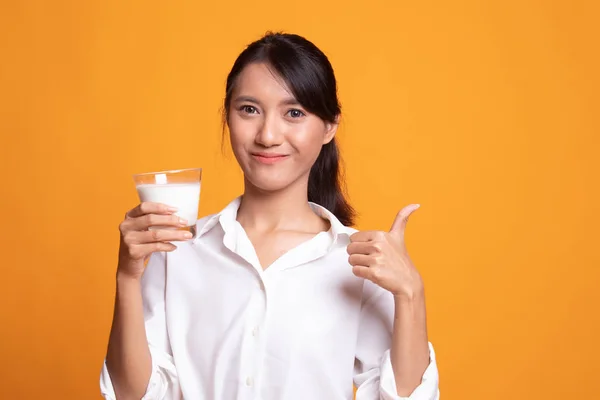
x,y
337,228
228,217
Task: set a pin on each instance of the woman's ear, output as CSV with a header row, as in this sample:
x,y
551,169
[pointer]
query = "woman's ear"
x,y
331,129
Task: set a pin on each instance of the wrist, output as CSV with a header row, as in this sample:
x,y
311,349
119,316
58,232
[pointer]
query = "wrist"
x,y
409,306
414,291
126,280
410,296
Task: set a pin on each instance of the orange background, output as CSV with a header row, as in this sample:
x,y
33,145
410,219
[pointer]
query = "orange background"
x,y
486,113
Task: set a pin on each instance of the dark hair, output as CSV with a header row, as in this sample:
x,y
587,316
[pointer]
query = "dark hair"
x,y
310,77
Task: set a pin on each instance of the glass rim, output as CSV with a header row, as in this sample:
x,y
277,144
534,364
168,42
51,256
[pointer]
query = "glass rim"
x,y
168,171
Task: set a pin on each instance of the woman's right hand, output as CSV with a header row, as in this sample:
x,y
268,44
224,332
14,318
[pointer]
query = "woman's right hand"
x,y
138,242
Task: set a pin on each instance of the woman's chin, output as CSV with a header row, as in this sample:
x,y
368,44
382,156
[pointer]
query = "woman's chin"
x,y
266,184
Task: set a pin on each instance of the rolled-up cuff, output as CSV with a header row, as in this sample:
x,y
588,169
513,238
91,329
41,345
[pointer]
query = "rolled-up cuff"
x,y
153,391
427,390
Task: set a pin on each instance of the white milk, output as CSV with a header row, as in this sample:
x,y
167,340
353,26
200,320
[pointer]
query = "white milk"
x,y
184,196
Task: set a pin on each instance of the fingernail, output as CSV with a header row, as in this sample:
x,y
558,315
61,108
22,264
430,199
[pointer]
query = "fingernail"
x,y
187,235
171,209
182,221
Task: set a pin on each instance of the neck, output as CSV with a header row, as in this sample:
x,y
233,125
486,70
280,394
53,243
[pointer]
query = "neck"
x,y
286,209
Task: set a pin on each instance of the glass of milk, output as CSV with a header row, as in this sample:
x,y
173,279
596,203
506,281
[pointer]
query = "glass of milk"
x,y
176,188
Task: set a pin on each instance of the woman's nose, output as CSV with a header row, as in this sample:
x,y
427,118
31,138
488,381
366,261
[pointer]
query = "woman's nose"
x,y
269,134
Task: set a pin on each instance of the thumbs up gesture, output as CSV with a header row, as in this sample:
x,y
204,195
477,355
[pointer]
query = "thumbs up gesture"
x,y
381,257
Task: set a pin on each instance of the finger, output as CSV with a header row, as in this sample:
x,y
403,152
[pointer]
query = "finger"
x,y
367,248
399,224
361,271
153,220
361,259
142,251
157,235
366,236
148,207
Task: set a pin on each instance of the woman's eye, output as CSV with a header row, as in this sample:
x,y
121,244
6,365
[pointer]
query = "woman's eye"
x,y
249,109
294,113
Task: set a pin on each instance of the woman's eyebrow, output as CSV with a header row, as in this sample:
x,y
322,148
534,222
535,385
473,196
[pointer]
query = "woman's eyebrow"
x,y
290,102
248,99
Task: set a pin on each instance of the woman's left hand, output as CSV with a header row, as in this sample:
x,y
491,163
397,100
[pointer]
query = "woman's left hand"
x,y
381,257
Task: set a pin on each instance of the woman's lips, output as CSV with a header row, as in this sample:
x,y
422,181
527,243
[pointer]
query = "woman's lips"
x,y
269,158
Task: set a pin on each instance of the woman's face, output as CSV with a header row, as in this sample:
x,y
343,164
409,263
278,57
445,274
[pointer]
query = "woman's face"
x,y
274,139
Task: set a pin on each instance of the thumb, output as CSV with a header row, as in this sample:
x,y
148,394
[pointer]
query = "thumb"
x,y
399,224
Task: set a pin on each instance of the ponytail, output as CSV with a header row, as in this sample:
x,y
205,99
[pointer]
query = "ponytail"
x,y
325,184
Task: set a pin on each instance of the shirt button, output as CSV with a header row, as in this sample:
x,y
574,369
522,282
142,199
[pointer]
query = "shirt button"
x,y
249,381
255,331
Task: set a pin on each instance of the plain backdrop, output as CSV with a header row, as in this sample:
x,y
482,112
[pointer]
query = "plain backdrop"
x,y
484,112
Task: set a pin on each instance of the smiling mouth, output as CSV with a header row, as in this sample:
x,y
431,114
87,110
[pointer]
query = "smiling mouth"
x,y
269,158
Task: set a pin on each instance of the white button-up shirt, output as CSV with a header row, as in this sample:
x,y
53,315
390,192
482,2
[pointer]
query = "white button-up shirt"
x,y
219,327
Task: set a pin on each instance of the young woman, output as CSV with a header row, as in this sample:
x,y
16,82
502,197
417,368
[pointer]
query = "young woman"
x,y
276,297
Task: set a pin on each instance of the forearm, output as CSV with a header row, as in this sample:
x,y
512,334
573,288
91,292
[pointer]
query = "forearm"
x,y
128,358
410,345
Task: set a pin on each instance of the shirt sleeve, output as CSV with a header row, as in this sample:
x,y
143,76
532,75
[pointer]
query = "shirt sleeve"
x,y
373,374
163,383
